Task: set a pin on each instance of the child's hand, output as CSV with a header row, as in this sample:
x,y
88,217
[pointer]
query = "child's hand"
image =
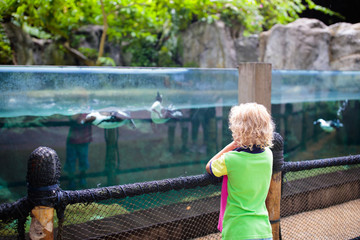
x,y
231,146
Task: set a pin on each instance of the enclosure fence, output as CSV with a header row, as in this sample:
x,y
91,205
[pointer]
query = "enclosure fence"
x,y
320,200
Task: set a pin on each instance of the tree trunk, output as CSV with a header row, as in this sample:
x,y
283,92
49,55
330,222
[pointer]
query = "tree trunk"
x,y
103,36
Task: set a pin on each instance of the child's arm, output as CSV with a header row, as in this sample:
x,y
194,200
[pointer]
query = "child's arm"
x,y
231,146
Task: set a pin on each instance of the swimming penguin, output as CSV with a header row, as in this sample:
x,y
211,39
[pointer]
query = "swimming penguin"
x,y
159,114
342,107
108,119
171,112
329,126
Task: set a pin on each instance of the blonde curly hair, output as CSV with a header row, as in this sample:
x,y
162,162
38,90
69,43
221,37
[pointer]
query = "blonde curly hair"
x,y
251,125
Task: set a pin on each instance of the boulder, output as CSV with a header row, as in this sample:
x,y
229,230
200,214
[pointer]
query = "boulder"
x,y
345,46
247,48
302,44
208,46
21,43
33,51
89,37
47,52
309,44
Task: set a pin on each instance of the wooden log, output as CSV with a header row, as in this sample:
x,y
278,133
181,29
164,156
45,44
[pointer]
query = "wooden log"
x,y
42,223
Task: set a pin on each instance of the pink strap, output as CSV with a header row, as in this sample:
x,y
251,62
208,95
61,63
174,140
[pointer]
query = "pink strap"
x,y
223,200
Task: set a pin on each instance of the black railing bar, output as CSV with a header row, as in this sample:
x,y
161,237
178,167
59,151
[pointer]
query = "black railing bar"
x,y
118,172
320,163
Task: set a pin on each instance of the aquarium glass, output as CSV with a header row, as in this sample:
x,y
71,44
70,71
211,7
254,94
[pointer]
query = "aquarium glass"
x,y
131,141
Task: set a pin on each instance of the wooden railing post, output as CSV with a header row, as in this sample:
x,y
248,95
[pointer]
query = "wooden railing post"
x,y
255,83
255,86
42,178
42,223
274,196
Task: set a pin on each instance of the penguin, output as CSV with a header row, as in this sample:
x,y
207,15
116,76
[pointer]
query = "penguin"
x,y
342,107
160,115
329,126
171,112
157,110
108,119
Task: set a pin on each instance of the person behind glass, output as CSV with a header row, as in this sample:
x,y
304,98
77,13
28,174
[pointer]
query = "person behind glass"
x,y
77,147
246,164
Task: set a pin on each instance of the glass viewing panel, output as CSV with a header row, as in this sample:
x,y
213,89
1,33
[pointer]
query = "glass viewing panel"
x,y
124,125
51,90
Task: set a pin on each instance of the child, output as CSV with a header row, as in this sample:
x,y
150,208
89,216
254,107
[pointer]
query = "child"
x,y
246,164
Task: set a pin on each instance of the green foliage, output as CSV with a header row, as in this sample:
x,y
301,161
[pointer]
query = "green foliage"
x,y
146,26
36,32
312,5
89,52
191,65
5,49
143,53
106,61
6,8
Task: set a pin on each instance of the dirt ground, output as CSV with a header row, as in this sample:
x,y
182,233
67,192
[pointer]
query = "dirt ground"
x,y
334,223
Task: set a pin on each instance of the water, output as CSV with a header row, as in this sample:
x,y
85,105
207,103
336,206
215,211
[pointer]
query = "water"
x,y
39,106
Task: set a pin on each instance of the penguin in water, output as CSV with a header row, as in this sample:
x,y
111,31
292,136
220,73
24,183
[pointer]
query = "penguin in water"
x,y
159,114
108,119
342,107
328,126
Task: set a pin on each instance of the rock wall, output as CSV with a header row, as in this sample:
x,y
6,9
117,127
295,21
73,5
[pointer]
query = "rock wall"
x,y
311,45
303,44
33,51
208,45
345,46
306,44
21,43
213,46
90,36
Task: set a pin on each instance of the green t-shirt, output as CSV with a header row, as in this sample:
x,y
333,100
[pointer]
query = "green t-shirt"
x,y
249,176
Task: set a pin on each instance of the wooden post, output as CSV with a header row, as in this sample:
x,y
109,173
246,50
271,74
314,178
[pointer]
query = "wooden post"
x,y
255,83
274,196
273,204
255,86
43,175
42,224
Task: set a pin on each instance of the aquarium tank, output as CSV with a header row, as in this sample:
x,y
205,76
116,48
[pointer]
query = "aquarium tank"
x,y
114,126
